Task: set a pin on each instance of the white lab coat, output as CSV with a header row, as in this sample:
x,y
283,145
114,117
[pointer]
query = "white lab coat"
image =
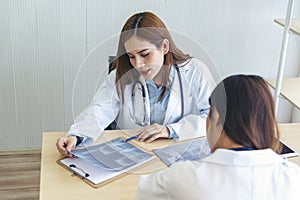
x,y
197,84
226,174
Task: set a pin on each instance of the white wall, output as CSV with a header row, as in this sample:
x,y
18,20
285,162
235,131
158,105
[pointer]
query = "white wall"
x,y
43,44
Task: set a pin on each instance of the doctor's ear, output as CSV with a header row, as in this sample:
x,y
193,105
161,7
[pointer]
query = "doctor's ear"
x,y
165,46
215,117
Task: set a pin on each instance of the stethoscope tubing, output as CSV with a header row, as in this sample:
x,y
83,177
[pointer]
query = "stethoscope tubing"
x,y
144,100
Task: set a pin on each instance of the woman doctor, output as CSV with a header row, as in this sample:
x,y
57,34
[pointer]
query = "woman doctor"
x,y
244,138
154,87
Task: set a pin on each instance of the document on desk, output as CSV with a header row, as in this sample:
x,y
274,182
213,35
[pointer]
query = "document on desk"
x,y
193,150
105,161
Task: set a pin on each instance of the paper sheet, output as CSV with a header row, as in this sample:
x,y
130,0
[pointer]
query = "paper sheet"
x,y
194,150
104,161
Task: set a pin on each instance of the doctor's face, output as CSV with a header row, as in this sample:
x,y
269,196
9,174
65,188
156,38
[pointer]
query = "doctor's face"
x,y
145,57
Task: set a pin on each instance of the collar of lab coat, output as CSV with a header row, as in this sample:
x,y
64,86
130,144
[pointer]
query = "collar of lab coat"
x,y
175,96
244,158
174,99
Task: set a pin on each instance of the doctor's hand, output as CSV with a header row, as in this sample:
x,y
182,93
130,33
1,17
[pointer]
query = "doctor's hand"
x,y
65,144
153,132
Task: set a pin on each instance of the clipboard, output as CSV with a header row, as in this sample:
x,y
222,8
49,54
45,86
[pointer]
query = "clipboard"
x,y
104,163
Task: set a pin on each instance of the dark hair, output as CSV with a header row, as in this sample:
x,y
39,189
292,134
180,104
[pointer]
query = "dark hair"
x,y
246,108
150,27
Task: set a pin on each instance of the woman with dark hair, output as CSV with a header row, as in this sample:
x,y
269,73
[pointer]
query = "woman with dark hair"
x,y
244,138
153,87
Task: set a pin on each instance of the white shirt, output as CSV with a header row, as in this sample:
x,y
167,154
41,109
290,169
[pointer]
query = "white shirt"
x,y
226,174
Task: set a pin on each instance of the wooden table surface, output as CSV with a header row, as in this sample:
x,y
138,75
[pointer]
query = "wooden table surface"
x,y
290,134
57,182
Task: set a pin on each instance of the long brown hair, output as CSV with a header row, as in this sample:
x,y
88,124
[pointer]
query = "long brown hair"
x,y
246,109
150,27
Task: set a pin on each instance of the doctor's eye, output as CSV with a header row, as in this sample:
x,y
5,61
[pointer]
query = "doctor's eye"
x,y
145,55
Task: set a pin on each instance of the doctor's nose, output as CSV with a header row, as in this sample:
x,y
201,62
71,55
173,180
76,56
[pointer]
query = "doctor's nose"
x,y
138,63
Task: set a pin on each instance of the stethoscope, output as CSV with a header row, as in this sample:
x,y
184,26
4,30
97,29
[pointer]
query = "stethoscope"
x,y
139,86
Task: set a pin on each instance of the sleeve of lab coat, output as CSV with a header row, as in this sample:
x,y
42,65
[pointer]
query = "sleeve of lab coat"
x,y
191,126
199,78
103,109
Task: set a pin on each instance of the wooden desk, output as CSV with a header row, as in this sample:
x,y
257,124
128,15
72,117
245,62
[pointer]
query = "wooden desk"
x,y
57,183
290,134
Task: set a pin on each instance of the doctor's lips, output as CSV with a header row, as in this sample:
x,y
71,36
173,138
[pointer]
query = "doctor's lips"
x,y
145,72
